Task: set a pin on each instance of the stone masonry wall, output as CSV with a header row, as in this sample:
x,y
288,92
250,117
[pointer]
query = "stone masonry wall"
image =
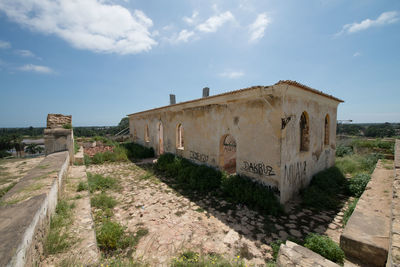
x,y
58,120
394,249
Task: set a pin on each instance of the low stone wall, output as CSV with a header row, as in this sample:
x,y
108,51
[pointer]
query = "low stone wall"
x,y
26,209
366,235
292,254
394,250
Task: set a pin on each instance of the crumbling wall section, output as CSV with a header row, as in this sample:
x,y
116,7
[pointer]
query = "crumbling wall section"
x,y
58,121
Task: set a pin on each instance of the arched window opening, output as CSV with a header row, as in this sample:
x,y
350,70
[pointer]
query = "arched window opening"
x,y
304,132
326,136
146,134
180,144
228,153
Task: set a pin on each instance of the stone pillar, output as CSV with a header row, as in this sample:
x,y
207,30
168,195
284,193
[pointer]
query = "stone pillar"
x,y
59,135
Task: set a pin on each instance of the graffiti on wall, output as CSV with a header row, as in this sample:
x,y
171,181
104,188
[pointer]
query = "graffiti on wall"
x,y
198,156
296,173
258,168
285,121
229,144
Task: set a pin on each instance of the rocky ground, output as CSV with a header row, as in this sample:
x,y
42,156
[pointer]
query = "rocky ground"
x,y
179,221
12,170
82,248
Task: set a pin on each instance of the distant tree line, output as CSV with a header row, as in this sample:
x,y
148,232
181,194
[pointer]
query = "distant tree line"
x,y
369,130
11,138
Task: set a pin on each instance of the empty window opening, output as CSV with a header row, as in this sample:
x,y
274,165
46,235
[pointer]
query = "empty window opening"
x,y
304,132
228,154
180,144
326,136
146,134
160,139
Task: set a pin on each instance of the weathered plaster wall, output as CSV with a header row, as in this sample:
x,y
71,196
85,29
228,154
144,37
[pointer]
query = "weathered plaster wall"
x,y
297,166
251,117
264,121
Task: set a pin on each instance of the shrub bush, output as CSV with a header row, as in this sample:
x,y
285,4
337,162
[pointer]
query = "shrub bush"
x,y
330,180
314,197
244,190
188,174
323,189
324,246
111,236
342,151
136,151
358,183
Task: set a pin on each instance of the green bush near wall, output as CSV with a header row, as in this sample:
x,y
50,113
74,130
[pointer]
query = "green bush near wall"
x,y
324,246
136,151
244,190
203,178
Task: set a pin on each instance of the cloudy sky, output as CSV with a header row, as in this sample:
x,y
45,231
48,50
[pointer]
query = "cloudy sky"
x,y
102,59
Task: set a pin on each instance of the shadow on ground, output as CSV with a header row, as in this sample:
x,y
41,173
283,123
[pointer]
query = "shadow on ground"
x,y
295,224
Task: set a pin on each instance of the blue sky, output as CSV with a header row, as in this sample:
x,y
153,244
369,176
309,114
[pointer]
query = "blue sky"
x,y
99,60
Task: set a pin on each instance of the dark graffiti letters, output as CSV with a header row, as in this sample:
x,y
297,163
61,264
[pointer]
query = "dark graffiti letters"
x,y
258,168
198,156
296,173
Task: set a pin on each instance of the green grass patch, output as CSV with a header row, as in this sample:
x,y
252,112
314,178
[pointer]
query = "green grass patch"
x,y
103,201
194,259
325,247
58,239
4,190
82,186
112,237
97,182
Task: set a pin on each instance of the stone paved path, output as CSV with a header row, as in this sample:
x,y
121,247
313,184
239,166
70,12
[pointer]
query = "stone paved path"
x,y
179,222
84,250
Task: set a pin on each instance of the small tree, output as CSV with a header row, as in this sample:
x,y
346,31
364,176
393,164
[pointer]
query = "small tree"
x,y
33,149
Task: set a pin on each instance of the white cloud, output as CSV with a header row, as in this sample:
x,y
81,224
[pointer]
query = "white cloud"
x,y
36,68
4,45
213,23
25,53
384,19
232,74
191,20
257,28
184,36
91,24
356,54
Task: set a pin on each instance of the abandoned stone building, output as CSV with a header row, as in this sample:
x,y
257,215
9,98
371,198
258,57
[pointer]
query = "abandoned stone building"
x,y
279,135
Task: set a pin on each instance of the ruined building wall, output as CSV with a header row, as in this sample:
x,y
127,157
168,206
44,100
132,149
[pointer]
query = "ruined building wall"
x,y
262,125
298,166
251,120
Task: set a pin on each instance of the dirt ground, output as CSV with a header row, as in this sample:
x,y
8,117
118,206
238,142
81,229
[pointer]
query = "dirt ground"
x,y
12,170
178,221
